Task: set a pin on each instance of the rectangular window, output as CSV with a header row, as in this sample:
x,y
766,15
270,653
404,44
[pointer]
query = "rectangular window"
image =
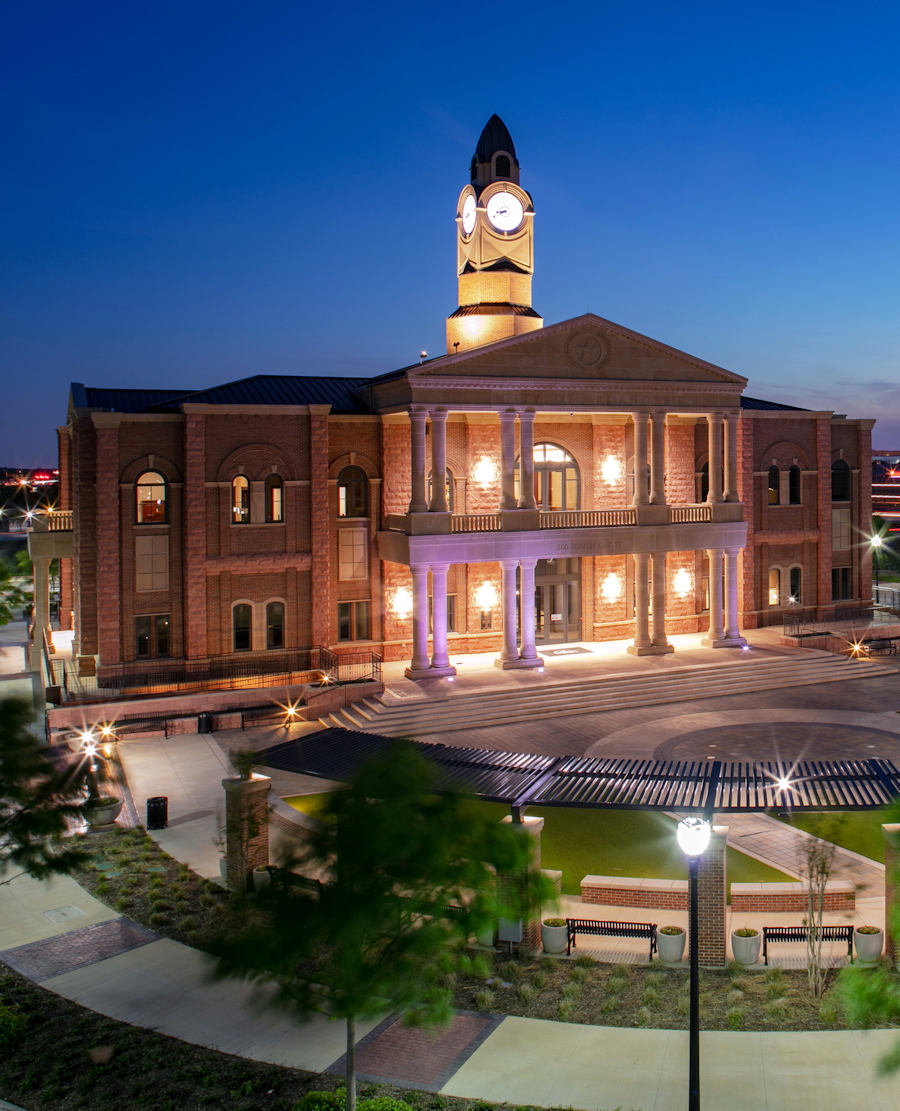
x,y
151,635
352,545
451,613
151,563
840,584
353,620
840,530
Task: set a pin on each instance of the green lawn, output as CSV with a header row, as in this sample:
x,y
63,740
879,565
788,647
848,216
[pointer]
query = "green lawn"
x,y
857,830
606,843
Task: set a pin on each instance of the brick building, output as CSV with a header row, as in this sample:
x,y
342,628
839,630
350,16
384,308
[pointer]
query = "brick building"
x,y
535,486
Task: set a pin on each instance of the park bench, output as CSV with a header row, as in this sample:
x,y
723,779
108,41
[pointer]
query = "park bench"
x,y
602,928
800,933
881,646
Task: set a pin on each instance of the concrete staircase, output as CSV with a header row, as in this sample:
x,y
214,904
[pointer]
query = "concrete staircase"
x,y
506,706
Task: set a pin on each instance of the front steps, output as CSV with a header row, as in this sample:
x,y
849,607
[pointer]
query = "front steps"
x,y
547,699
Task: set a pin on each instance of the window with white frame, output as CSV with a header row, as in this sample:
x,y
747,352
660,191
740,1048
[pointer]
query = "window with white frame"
x,y
352,551
840,530
151,563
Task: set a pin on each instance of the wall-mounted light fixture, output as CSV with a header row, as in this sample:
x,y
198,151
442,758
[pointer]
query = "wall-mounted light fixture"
x,y
486,598
402,603
682,582
612,587
485,471
611,470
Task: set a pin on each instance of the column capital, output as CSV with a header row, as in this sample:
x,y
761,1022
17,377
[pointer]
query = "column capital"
x,y
438,413
440,568
526,413
419,413
505,415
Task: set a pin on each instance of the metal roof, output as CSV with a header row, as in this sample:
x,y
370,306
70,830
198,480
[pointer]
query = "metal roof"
x,y
281,389
758,403
526,779
119,400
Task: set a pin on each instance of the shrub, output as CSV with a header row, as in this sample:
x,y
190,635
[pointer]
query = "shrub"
x,y
382,1103
651,996
524,991
320,1101
584,960
571,990
484,999
554,921
564,1010
509,970
829,1012
643,1017
734,1018
538,980
12,1023
578,974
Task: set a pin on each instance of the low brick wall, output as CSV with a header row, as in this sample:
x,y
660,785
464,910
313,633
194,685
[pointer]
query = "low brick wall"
x,y
629,891
776,898
789,898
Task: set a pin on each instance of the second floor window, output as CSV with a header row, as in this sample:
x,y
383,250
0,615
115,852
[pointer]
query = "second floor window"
x,y
240,500
840,481
151,499
274,498
774,486
352,493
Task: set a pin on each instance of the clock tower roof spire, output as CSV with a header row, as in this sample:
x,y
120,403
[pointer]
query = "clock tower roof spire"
x,y
495,155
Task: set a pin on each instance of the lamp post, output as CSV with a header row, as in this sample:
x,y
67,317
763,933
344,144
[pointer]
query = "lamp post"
x,y
693,837
877,541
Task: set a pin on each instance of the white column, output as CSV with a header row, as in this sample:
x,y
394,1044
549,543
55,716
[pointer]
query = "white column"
x,y
420,664
640,458
438,461
507,458
526,459
716,623
417,418
641,604
714,421
732,627
658,583
510,650
41,580
731,490
658,457
440,661
528,654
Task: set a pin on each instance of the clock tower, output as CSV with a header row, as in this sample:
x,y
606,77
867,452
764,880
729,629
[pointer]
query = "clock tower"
x,y
494,247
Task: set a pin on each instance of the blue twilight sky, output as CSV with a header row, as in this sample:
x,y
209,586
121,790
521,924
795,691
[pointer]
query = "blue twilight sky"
x,y
199,191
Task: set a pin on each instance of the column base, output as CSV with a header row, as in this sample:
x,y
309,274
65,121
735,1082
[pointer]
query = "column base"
x,y
723,642
34,657
519,662
429,672
650,649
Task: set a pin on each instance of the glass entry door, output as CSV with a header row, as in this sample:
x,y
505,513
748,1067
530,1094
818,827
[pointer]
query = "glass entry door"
x,y
557,601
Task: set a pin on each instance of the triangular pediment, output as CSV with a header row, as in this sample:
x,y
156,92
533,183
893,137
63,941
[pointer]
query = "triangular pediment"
x,y
586,348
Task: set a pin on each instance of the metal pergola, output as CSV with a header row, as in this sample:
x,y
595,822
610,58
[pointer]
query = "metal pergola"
x,y
525,779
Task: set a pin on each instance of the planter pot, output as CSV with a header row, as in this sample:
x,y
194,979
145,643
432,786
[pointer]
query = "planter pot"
x,y
554,938
262,879
745,949
670,946
868,946
103,812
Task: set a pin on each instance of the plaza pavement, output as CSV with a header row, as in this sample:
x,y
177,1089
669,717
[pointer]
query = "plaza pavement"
x,y
70,943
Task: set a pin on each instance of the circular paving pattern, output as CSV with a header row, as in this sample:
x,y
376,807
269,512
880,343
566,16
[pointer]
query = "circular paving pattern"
x,y
781,740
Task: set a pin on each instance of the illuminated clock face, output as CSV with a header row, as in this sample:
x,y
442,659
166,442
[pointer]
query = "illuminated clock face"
x,y
505,212
468,215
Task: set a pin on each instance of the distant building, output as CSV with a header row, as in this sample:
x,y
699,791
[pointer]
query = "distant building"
x,y
533,487
886,486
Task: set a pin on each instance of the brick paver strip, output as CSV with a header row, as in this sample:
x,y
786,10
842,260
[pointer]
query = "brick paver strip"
x,y
416,1057
39,960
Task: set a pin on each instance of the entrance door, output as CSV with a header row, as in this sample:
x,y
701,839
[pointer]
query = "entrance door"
x,y
557,601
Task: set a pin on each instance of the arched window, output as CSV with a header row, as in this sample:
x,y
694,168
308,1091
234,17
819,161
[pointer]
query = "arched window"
x,y
151,499
794,485
501,166
274,498
240,500
774,486
795,586
353,498
241,625
448,489
275,625
557,484
840,480
774,586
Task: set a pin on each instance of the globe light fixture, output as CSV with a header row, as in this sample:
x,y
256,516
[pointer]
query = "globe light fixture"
x,y
693,835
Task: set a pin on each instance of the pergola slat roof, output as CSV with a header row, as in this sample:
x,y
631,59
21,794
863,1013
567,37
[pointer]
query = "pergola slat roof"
x,y
527,779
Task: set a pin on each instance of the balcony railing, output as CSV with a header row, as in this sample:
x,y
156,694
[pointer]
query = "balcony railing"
x,y
55,520
587,518
629,517
476,522
689,514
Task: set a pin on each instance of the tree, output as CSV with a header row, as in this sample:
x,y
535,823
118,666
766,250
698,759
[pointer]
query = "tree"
x,y
411,874
38,800
817,861
13,594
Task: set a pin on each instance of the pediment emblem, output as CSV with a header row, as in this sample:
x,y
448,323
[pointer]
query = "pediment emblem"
x,y
587,350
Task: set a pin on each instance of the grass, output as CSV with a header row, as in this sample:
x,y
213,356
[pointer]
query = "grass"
x,y
857,830
605,843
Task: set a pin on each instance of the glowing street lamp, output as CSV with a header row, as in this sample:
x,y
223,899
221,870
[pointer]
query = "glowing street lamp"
x,y
693,838
877,542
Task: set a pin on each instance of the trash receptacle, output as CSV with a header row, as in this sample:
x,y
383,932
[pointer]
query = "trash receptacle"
x,y
204,723
158,812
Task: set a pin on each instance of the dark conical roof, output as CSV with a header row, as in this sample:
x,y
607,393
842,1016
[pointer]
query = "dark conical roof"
x,y
495,137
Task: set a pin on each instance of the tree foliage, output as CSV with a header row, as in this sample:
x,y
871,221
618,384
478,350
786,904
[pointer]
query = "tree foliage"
x,y
13,593
38,800
382,932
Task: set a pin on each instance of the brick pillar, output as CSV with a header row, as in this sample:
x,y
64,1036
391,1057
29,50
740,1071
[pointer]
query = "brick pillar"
x,y
531,929
864,501
66,596
246,828
823,511
320,526
891,833
748,617
711,896
195,623
109,638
